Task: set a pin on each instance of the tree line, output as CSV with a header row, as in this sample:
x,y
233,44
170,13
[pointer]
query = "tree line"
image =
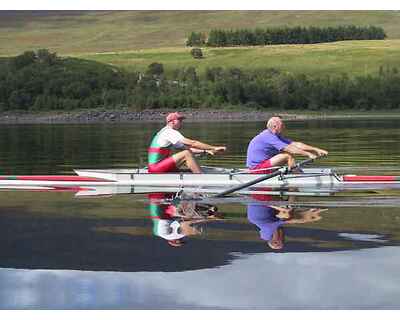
x,y
283,35
42,81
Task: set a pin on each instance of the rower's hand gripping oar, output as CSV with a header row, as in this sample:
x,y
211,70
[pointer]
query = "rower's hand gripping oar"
x,y
281,171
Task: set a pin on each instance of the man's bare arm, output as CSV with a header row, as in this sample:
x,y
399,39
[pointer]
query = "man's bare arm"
x,y
308,148
294,150
197,145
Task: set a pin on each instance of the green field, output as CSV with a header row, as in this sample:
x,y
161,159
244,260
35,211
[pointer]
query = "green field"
x,y
359,57
134,39
109,31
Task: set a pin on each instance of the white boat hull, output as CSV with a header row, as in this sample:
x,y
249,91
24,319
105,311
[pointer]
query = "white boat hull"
x,y
213,180
317,178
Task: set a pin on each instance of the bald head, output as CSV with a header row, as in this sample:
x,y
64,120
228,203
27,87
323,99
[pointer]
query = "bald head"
x,y
278,239
275,125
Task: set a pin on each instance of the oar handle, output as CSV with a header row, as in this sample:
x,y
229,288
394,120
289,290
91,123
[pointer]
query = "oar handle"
x,y
301,163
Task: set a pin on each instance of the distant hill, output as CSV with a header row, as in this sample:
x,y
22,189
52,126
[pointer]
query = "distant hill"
x,y
67,32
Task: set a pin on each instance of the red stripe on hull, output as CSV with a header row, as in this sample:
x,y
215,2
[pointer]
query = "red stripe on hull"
x,y
370,178
51,189
53,178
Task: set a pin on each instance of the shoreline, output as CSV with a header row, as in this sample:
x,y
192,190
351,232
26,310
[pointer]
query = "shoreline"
x,y
151,115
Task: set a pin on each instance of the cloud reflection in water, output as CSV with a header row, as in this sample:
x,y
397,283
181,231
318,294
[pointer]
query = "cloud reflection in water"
x,y
363,279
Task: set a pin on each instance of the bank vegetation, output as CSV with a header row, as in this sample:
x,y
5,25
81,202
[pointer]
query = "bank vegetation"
x,y
41,81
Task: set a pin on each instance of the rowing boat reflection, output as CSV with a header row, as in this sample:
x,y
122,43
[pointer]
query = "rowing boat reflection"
x,y
175,217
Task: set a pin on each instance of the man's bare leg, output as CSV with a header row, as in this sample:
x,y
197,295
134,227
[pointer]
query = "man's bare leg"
x,y
282,159
186,157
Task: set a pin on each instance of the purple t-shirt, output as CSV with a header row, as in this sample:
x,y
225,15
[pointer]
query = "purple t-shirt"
x,y
264,218
264,146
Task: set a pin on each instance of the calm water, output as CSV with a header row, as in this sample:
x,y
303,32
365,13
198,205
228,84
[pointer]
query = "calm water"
x,y
58,251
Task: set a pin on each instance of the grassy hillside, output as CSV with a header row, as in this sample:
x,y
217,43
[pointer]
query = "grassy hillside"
x,y
357,57
101,31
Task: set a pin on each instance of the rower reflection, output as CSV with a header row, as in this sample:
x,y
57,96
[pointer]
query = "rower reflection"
x,y
173,220
270,221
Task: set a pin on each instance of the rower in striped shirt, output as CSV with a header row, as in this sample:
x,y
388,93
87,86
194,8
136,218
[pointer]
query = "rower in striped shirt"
x,y
160,157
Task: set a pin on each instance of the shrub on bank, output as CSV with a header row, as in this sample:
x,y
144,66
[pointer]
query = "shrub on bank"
x,y
196,53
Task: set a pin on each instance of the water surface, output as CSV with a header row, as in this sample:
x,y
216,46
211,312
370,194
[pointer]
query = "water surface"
x,y
62,252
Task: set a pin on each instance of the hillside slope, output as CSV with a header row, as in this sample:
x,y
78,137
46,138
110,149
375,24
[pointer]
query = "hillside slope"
x,y
68,32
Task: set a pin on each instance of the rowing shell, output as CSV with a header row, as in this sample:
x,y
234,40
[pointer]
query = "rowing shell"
x,y
212,180
310,178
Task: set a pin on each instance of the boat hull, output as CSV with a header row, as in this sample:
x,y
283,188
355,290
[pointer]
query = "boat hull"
x,y
213,180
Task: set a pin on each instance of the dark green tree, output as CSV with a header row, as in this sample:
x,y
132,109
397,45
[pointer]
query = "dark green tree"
x,y
23,60
196,39
196,53
155,70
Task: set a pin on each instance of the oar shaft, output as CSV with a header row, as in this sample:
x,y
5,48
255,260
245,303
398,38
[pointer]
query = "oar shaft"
x,y
278,172
248,184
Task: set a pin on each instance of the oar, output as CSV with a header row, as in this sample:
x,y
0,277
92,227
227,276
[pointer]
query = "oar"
x,y
282,170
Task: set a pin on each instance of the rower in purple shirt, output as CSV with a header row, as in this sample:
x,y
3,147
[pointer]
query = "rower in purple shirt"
x,y
270,221
269,225
269,148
